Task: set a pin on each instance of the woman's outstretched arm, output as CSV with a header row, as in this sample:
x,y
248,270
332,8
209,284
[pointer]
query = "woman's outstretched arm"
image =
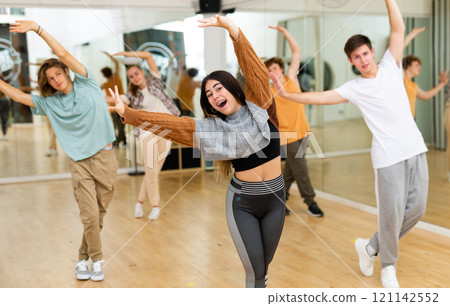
x,y
143,55
257,84
177,129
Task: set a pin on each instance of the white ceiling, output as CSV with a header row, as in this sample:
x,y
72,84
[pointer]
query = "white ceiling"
x,y
157,4
413,7
184,8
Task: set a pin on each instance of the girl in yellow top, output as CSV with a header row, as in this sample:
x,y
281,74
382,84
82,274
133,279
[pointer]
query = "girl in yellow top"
x,y
412,66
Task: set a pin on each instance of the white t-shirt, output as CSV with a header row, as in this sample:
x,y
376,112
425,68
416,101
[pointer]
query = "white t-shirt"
x,y
385,107
150,103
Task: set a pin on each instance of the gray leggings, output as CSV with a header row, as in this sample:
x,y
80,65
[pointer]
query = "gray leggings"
x,y
401,192
255,217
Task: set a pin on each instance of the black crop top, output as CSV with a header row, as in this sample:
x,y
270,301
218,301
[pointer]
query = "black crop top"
x,y
271,151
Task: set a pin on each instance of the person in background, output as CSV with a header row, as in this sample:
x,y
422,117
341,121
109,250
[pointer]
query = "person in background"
x,y
113,79
148,93
412,66
52,145
186,91
292,118
4,115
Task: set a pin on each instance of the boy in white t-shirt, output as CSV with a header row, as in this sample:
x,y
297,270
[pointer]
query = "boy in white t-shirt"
x,y
398,149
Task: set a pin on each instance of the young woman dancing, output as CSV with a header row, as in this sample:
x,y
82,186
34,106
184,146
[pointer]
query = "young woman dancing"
x,y
255,198
147,93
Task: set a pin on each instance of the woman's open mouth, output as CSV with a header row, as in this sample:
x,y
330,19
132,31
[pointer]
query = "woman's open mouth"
x,y
221,103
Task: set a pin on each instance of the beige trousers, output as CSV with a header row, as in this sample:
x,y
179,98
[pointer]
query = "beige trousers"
x,y
93,187
154,151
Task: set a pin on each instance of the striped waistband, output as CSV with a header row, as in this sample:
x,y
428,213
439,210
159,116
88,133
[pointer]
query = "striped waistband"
x,y
257,188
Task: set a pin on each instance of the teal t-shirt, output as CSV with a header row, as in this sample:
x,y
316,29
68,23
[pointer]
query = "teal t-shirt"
x,y
80,119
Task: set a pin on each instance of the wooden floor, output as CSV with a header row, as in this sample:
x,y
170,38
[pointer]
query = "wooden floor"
x,y
348,176
189,245
352,177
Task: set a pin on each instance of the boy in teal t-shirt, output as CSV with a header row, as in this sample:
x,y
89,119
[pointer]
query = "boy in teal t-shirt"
x,y
80,118
78,114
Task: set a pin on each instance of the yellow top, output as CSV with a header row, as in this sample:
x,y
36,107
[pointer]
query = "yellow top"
x,y
411,90
185,93
110,84
291,115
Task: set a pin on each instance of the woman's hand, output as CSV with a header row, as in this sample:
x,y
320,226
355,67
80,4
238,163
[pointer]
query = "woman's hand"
x,y
417,30
443,77
108,55
278,28
140,54
221,22
278,85
125,53
23,26
119,104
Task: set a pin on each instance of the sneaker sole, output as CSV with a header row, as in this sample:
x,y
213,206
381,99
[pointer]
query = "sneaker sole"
x,y
315,215
83,277
97,278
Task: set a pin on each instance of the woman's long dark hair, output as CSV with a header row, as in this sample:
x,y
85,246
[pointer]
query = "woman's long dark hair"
x,y
224,168
229,82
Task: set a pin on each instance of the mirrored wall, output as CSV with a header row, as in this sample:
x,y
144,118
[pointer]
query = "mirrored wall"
x,y
321,29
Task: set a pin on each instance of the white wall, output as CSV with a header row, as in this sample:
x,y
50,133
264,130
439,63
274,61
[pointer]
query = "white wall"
x,y
103,29
72,28
414,8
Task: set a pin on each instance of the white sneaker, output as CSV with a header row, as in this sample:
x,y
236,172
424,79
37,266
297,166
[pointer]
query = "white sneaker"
x,y
138,212
154,214
389,277
365,260
97,271
82,270
3,138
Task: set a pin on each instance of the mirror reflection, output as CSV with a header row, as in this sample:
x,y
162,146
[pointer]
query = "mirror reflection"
x,y
320,28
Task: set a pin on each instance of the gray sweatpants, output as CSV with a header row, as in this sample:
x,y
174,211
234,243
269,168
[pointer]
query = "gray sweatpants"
x,y
401,191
